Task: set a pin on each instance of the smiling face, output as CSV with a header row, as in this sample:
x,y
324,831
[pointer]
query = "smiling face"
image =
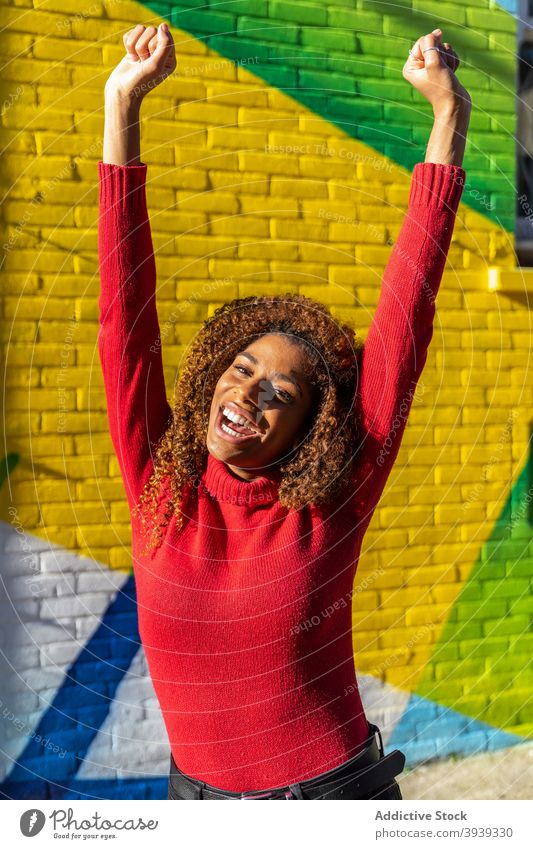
x,y
266,384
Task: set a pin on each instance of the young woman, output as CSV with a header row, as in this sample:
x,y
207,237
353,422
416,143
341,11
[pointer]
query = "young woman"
x,y
250,498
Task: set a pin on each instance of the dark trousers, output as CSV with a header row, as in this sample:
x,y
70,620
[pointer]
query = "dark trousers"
x,y
357,778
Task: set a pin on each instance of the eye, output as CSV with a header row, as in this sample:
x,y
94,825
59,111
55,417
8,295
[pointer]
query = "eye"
x,y
279,392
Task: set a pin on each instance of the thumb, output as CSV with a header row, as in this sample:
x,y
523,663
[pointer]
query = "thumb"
x,y
432,58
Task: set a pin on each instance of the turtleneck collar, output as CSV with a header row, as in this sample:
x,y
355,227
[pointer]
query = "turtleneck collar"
x,y
224,486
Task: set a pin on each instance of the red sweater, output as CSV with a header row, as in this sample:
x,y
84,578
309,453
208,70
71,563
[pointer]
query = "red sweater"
x,y
245,613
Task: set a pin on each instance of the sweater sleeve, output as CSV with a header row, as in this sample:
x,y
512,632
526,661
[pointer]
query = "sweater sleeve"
x,y
129,341
395,350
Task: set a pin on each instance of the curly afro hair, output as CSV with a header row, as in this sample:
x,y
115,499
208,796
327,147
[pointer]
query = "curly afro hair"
x,y
314,472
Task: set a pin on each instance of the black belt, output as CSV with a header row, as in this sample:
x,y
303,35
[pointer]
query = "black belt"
x,y
367,771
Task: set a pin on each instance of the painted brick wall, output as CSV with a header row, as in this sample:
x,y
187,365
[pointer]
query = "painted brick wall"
x,y
279,157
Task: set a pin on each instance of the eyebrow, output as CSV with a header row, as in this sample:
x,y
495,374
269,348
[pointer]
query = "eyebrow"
x,y
255,361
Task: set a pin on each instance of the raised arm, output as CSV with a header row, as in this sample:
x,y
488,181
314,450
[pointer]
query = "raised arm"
x,y
129,341
395,350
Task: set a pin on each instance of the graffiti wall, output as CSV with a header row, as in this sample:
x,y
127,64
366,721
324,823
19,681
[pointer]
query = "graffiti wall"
x,y
279,154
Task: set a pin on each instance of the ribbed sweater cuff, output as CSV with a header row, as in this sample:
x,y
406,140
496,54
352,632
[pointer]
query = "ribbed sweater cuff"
x,y
122,186
436,185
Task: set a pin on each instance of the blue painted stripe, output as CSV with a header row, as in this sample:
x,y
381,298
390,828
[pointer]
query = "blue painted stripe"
x,y
82,703
428,730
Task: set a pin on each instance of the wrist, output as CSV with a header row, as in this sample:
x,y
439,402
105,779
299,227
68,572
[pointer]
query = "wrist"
x,y
124,103
454,113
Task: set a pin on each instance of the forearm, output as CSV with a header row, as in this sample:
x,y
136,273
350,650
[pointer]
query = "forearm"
x,y
446,145
122,136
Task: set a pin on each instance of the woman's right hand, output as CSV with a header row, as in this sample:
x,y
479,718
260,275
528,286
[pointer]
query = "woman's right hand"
x,y
150,58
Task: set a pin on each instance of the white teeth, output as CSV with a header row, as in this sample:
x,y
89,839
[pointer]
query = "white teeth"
x,y
234,417
231,431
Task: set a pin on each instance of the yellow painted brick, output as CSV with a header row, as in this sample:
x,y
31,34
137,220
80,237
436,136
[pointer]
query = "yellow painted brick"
x,y
427,614
239,269
56,331
209,201
96,490
508,396
18,284
298,273
42,23
206,158
405,638
74,422
106,534
260,287
311,166
35,491
205,246
207,113
459,435
236,94
509,321
452,513
236,139
379,619
280,186
100,443
119,512
425,493
267,206
239,225
28,517
190,67
432,536
327,253
268,250
327,294
34,306
56,444
269,163
16,423
504,359
359,232
69,377
357,276
120,557
18,377
455,474
372,255
41,399
251,182
280,228
405,517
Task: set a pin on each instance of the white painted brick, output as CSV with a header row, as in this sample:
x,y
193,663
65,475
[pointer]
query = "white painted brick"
x,y
107,580
80,605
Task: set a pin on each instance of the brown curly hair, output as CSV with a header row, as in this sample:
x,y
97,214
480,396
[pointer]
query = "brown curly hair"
x,y
320,467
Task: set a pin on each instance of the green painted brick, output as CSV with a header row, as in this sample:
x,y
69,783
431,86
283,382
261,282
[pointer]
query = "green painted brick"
x,y
267,30
280,76
357,66
513,625
482,609
201,21
329,39
237,48
459,670
374,44
373,135
521,605
354,19
327,81
386,91
236,7
490,19
358,107
488,647
300,57
300,13
444,15
501,42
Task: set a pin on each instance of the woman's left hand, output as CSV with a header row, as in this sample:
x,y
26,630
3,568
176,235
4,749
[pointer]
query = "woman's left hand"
x,y
432,73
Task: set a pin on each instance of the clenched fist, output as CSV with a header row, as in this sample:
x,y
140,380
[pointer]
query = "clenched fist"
x,y
150,58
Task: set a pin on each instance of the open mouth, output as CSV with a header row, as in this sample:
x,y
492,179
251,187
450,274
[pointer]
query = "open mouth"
x,y
231,430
